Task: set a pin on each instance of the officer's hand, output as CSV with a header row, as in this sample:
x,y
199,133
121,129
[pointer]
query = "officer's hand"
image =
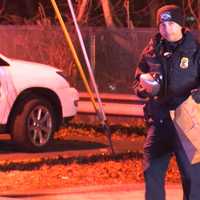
x,y
142,93
195,93
139,90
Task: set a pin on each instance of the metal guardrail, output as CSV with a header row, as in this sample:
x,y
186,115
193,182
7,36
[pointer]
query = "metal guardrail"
x,y
123,105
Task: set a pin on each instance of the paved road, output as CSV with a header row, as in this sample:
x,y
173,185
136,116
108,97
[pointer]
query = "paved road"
x,y
107,192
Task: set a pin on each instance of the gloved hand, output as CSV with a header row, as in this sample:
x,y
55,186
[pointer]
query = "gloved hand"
x,y
148,85
195,93
139,91
151,83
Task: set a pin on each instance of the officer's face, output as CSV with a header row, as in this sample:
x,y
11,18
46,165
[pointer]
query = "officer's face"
x,y
171,31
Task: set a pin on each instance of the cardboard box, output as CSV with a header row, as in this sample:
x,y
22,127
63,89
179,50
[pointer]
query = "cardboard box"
x,y
187,123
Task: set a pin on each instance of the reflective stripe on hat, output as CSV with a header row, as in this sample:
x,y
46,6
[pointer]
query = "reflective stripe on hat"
x,y
166,16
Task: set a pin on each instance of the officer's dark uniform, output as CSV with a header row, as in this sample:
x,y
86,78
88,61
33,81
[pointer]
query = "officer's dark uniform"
x,y
179,63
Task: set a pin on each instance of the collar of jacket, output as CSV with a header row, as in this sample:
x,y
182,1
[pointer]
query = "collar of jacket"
x,y
189,44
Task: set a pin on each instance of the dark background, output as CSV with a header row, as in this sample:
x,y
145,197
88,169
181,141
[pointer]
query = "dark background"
x,y
142,12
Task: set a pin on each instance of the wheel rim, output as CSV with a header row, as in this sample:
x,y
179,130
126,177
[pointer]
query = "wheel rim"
x,y
39,125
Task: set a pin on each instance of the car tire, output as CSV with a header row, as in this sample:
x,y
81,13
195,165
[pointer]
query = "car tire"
x,y
33,125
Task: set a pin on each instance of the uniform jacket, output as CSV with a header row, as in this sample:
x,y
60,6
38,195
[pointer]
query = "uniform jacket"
x,y
179,65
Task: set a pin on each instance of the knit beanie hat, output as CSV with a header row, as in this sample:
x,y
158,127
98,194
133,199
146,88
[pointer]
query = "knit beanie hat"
x,y
170,13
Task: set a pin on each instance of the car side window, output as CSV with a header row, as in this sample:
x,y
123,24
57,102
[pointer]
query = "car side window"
x,y
3,63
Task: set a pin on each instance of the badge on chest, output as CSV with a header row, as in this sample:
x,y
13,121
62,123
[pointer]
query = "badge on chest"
x,y
184,64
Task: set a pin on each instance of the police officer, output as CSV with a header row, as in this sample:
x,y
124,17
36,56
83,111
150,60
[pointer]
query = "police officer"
x,y
169,69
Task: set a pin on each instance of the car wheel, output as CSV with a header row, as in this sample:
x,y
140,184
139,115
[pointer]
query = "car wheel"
x,y
34,125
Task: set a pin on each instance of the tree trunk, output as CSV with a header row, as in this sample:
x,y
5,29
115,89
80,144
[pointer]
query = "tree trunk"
x,y
198,22
195,15
2,6
107,13
82,11
30,7
153,6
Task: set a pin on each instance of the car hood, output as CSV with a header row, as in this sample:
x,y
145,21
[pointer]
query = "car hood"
x,y
25,74
31,65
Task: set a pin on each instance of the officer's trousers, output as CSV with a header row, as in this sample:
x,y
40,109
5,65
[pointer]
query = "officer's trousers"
x,y
161,143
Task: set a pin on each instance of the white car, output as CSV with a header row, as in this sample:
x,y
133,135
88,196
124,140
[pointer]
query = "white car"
x,y
35,99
